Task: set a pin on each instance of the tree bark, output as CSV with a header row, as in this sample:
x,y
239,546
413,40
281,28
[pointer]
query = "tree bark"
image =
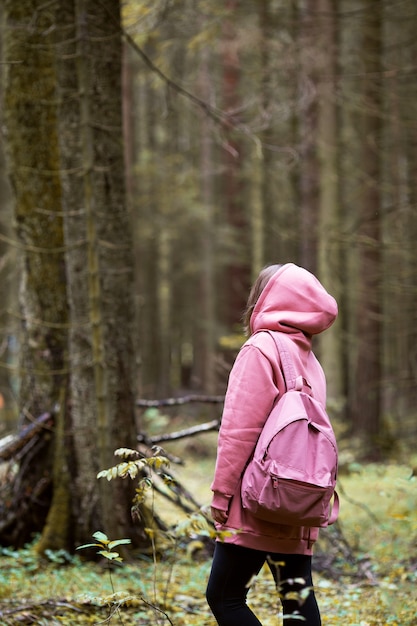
x,y
8,276
33,160
238,272
308,124
205,326
278,178
329,241
367,408
99,262
77,306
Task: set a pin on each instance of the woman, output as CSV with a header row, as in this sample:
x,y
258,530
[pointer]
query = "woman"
x,y
290,300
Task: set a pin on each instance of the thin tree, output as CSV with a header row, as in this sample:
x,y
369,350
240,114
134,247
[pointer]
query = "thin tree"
x,y
367,412
238,270
205,332
308,126
329,240
279,241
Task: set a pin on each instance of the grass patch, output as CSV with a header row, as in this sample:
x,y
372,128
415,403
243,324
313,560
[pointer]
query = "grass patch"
x,y
371,582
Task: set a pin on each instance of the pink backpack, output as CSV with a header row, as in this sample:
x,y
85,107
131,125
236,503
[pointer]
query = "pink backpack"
x,y
291,477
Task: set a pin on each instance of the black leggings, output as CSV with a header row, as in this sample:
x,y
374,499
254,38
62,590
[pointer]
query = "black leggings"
x,y
232,571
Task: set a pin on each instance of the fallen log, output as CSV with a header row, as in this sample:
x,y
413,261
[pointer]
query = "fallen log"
x,y
15,443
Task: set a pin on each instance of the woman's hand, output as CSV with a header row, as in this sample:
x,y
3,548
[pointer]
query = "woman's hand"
x,y
219,515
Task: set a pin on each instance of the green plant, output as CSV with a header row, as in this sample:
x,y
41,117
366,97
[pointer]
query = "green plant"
x,y
379,586
193,529
106,550
106,546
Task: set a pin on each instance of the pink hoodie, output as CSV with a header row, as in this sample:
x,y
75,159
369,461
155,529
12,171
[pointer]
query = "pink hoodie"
x,y
295,304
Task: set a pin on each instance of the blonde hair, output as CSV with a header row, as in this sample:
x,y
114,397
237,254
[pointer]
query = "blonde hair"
x,y
258,286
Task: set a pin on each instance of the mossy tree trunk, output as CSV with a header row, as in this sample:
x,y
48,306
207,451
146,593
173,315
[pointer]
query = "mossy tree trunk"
x,y
99,261
8,287
33,161
66,164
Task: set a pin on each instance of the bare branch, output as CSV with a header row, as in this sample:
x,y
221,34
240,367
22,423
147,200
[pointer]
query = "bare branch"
x,y
178,401
180,434
223,118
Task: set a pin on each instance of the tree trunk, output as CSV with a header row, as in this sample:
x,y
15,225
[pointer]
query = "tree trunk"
x,y
205,324
308,123
329,241
77,307
367,408
8,277
399,157
271,238
33,159
152,374
100,264
238,274
278,179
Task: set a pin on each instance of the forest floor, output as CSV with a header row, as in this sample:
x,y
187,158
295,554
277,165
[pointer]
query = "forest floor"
x,y
366,566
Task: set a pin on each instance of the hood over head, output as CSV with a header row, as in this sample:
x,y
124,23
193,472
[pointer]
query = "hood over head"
x,y
294,299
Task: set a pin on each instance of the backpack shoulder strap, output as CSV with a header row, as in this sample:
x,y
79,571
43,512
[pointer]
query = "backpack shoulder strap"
x,y
291,379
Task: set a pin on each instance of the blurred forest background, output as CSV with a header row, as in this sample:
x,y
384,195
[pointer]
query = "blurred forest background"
x,y
155,155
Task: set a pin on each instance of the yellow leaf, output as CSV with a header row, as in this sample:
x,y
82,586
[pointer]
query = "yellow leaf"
x,y
101,537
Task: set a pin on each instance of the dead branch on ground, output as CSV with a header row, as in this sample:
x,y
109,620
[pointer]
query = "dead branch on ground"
x,y
178,401
17,442
179,434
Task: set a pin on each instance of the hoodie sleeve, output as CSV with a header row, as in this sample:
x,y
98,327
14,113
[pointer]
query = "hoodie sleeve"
x,y
250,395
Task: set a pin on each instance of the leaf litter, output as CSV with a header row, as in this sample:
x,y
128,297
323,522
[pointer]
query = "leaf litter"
x,y
366,571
